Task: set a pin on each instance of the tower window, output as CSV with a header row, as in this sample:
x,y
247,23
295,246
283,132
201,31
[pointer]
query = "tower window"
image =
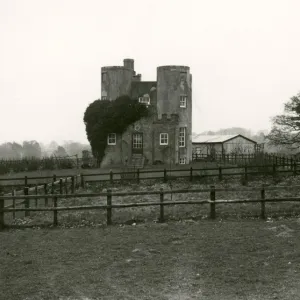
x,y
145,99
182,137
182,160
104,98
112,139
104,74
183,100
164,139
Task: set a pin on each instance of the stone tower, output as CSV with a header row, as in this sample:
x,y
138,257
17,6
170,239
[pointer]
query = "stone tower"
x,y
174,97
116,80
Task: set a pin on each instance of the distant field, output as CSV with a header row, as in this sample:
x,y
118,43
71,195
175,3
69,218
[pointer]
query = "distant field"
x,y
228,260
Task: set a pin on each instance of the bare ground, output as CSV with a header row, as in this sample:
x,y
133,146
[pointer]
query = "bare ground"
x,y
179,260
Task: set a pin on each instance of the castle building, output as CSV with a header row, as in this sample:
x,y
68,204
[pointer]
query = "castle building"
x,y
165,136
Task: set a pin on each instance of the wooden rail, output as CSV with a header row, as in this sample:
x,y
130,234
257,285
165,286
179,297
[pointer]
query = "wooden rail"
x,y
212,201
164,174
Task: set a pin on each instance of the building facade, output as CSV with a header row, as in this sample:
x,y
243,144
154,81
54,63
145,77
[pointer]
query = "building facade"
x,y
165,136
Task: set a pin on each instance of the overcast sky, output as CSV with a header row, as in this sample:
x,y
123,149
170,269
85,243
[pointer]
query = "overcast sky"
x,y
244,57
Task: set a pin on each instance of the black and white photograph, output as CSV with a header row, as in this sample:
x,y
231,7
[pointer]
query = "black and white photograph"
x,y
149,150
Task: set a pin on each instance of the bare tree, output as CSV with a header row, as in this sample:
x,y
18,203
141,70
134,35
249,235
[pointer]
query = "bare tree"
x,y
286,127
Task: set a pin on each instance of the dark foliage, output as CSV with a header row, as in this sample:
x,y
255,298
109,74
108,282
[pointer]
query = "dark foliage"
x,y
286,127
103,117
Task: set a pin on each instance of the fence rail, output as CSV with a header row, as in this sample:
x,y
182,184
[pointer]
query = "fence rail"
x,y
166,174
263,157
65,187
69,162
212,201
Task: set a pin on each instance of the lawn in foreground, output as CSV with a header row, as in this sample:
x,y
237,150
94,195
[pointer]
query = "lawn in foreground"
x,y
247,259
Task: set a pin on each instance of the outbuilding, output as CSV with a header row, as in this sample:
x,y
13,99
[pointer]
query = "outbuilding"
x,y
211,145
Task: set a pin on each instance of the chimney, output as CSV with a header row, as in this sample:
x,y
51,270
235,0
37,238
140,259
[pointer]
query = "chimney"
x,y
137,77
129,63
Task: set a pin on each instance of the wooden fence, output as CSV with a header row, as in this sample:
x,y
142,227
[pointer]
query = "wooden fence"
x,y
69,162
163,174
65,185
110,205
191,173
262,158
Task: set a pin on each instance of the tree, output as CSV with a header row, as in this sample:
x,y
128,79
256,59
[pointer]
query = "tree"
x,y
6,151
75,148
60,152
103,117
17,150
286,127
32,149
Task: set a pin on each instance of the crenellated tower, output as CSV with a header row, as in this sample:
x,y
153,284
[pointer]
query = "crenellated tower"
x,y
174,97
116,80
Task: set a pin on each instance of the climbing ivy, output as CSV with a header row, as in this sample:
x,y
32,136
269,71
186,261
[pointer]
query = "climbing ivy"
x,y
103,117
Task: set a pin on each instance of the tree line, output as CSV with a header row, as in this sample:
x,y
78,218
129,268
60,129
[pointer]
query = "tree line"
x,y
34,149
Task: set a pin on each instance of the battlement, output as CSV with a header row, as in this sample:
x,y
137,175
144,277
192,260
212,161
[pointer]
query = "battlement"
x,y
109,68
173,68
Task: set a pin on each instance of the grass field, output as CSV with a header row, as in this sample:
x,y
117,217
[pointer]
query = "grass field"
x,y
174,213
179,260
66,172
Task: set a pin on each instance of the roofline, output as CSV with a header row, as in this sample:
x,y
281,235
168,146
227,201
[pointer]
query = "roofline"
x,y
225,140
242,137
208,142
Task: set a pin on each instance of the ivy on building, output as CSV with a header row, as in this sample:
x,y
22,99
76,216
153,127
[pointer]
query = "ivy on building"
x,y
103,117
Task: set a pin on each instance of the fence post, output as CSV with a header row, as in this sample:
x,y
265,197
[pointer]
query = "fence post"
x,y
138,175
165,175
76,182
220,174
61,186
36,192
161,217
25,181
54,177
26,192
14,203
46,192
212,204
52,188
274,170
191,174
246,174
109,209
82,180
295,169
2,225
111,176
66,185
263,203
55,222
72,184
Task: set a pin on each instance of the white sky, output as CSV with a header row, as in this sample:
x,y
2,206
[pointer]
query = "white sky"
x,y
244,56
